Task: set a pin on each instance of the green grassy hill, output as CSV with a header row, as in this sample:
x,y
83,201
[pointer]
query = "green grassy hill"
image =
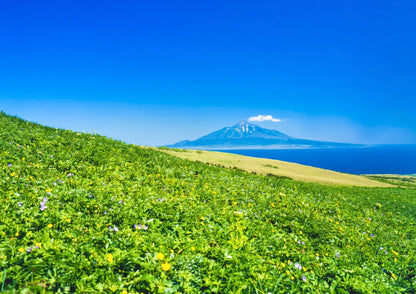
x,y
83,213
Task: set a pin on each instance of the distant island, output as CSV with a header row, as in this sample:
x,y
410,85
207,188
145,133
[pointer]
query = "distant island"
x,y
245,135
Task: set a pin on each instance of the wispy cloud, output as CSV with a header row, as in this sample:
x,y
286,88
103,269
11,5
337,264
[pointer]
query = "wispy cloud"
x,y
262,117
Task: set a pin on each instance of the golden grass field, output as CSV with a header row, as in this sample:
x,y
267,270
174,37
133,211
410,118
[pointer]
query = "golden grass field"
x,y
276,167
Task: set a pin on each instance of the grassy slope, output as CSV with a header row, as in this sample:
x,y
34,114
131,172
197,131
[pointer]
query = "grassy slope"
x,y
220,230
276,167
399,180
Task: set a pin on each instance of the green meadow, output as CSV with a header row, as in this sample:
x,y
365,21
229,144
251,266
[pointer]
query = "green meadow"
x,y
84,213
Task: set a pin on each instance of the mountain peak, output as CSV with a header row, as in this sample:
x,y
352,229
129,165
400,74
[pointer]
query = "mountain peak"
x,y
244,127
247,135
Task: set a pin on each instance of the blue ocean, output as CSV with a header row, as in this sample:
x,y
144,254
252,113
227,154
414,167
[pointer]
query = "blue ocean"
x,y
383,159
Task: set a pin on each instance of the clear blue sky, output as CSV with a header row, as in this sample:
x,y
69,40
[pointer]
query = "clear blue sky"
x,y
156,72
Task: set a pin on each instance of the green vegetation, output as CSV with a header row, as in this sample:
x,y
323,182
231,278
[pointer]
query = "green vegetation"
x,y
278,168
403,181
83,213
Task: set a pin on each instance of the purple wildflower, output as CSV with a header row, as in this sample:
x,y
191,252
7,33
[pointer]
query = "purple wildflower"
x,y
20,204
385,252
29,249
381,248
9,165
42,206
372,235
337,255
110,228
304,278
105,212
45,199
48,193
298,266
54,183
70,174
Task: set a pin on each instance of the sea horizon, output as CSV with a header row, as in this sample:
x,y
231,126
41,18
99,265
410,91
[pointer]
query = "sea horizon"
x,y
370,159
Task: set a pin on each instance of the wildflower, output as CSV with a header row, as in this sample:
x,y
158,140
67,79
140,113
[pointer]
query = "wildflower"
x,y
42,206
29,249
38,245
166,266
45,199
70,174
372,235
385,252
50,226
337,255
115,229
9,165
304,278
20,204
160,256
298,266
21,250
110,258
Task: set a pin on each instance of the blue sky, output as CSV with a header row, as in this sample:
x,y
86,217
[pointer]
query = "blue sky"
x,y
156,72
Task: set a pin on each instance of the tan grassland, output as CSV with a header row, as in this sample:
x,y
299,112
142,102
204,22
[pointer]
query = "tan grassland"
x,y
276,167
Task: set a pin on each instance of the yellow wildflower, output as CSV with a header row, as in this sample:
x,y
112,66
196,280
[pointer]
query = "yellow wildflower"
x,y
21,250
166,266
160,256
110,258
50,226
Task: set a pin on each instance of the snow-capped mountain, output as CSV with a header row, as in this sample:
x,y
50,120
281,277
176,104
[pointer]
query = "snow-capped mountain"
x,y
248,135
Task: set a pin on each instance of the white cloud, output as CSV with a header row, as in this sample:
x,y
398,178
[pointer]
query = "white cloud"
x,y
262,117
